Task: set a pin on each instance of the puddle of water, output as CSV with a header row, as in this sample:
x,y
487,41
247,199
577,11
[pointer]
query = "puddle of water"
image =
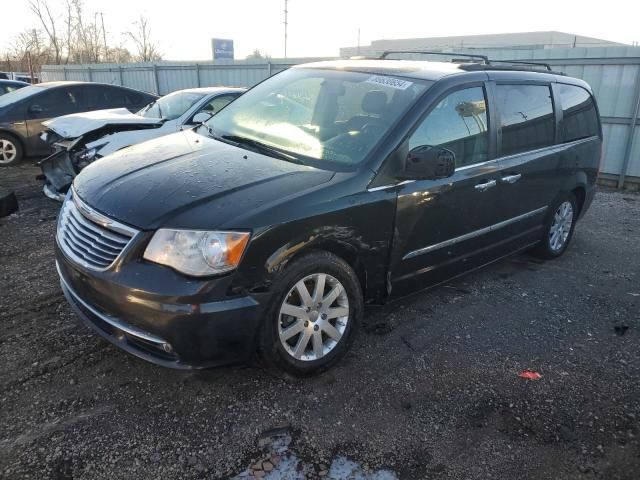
x,y
290,467
282,464
345,469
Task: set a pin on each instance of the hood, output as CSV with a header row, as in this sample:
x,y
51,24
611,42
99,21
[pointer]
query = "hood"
x,y
112,142
187,180
76,124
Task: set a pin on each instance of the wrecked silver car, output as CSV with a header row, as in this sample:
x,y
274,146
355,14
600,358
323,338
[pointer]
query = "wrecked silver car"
x,y
82,138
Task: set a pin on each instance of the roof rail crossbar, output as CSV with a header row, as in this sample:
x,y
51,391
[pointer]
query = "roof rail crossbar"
x,y
521,62
483,58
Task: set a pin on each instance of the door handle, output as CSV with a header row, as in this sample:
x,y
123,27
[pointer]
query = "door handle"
x,y
512,178
481,187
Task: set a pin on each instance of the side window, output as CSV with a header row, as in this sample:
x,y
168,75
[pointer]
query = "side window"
x,y
133,99
106,97
526,117
579,116
78,99
60,101
218,103
458,123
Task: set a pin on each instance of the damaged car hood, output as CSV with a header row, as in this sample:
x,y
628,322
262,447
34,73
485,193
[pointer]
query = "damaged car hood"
x,y
207,183
77,124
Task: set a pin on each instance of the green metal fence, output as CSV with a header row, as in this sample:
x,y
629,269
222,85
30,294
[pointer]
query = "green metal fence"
x,y
612,72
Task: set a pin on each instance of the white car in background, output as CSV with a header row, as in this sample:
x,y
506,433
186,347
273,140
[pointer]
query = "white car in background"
x,y
81,138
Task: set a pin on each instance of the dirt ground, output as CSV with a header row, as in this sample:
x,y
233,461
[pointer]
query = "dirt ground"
x,y
429,391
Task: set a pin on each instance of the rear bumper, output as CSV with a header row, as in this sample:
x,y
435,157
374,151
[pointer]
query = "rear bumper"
x,y
168,330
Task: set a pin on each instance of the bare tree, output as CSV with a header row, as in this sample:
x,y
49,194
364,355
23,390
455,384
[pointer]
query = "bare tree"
x,y
147,50
119,55
87,45
43,12
30,42
67,33
256,54
69,24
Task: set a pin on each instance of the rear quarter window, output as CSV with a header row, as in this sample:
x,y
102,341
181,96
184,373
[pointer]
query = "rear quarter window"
x,y
579,115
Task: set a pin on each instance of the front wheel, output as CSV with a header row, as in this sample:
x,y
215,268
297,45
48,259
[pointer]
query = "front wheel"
x,y
559,228
10,150
314,315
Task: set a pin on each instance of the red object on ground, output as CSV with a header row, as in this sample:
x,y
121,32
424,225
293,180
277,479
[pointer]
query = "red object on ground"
x,y
529,375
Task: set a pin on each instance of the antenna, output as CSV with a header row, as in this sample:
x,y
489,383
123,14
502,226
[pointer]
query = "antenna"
x,y
286,14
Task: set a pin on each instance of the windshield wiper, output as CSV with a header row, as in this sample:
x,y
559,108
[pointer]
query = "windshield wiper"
x,y
269,150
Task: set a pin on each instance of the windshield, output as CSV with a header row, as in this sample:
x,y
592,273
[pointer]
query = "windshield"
x,y
326,118
19,94
171,106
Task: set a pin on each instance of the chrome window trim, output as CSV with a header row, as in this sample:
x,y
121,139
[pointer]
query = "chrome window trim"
x,y
473,165
548,147
475,233
375,189
499,159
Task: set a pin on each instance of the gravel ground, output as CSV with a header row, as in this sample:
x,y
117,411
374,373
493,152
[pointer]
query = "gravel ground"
x,y
430,389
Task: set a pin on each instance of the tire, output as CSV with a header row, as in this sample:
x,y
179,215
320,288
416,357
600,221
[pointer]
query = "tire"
x,y
319,337
558,228
10,150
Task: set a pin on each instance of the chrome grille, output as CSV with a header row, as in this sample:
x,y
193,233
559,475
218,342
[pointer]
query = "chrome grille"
x,y
88,237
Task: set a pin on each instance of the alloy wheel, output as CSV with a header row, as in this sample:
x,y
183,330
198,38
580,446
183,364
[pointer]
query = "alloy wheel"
x,y
561,226
8,151
313,317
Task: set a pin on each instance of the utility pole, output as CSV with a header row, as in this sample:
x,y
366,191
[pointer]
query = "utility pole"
x,y
30,67
358,52
286,14
104,38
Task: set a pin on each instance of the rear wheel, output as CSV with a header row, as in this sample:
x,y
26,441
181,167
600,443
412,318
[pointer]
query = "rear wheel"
x,y
314,315
10,150
559,228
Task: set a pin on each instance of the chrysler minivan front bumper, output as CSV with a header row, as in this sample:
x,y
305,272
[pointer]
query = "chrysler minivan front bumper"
x,y
131,309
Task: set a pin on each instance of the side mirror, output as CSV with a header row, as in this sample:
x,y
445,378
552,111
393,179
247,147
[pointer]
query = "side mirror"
x,y
429,163
36,109
201,117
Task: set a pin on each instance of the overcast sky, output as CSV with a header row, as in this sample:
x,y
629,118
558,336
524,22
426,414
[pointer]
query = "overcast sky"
x,y
183,29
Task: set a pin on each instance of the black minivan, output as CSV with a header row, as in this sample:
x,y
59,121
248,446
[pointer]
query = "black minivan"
x,y
23,111
324,188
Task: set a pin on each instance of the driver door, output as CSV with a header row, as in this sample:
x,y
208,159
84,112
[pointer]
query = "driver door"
x,y
443,226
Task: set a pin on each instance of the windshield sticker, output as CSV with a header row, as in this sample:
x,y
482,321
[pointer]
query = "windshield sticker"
x,y
390,82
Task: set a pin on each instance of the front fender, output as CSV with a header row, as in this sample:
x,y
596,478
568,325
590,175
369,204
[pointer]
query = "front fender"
x,y
360,234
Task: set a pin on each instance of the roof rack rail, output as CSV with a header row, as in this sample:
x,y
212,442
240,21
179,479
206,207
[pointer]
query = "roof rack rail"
x,y
521,62
480,62
482,58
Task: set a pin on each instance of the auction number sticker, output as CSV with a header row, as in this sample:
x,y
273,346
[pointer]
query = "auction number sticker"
x,y
390,82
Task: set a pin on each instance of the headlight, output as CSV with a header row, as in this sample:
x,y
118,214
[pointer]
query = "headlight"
x,y
196,252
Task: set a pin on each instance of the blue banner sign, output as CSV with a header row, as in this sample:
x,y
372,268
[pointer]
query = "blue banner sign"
x,y
222,48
